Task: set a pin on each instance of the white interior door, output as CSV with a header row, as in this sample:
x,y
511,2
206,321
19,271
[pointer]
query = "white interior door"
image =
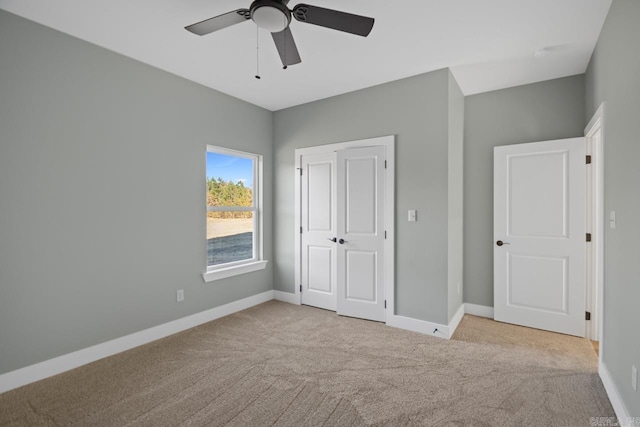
x,y
360,227
540,235
318,210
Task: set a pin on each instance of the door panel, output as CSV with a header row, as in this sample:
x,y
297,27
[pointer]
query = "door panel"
x,y
320,268
546,290
320,206
361,276
539,215
318,263
360,223
360,187
537,200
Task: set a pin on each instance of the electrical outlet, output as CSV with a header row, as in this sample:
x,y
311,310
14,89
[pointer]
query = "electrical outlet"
x,y
634,378
180,295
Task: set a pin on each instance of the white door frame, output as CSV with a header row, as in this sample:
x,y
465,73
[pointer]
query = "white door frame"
x,y
595,287
389,212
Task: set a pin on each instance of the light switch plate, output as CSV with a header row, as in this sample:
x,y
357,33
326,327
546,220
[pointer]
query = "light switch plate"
x,y
413,215
612,219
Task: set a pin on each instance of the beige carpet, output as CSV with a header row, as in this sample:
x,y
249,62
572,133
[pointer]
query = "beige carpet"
x,y
579,351
285,365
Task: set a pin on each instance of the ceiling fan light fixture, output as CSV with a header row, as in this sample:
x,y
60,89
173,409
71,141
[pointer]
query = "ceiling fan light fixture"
x,y
275,17
270,15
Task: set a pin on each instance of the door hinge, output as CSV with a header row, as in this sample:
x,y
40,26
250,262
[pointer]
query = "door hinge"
x,y
588,159
385,234
300,288
385,164
385,303
587,316
300,230
588,237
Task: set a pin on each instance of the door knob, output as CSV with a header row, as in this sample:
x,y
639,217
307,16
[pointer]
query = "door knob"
x,y
500,243
342,241
333,240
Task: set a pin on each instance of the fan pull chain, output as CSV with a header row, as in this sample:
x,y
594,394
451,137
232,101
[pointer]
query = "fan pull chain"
x,y
257,54
284,34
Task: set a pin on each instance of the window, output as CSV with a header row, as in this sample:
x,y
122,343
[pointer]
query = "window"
x,y
234,244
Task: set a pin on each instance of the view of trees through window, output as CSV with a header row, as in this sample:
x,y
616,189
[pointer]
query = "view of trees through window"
x,y
228,193
230,208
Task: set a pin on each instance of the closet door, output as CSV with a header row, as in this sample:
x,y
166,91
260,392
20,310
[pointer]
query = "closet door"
x,y
318,211
360,232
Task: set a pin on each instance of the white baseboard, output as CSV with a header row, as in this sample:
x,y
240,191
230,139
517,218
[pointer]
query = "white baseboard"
x,y
420,326
48,368
441,331
286,297
456,319
614,396
478,310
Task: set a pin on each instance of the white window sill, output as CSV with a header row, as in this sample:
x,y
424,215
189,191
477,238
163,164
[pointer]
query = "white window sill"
x,y
223,273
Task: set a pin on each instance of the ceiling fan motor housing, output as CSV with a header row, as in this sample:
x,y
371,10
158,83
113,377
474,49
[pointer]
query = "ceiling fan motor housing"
x,y
272,15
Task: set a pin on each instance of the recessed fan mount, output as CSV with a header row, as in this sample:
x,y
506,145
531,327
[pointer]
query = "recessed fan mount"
x,y
275,17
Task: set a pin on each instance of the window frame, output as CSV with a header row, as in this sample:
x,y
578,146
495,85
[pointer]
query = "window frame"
x,y
256,262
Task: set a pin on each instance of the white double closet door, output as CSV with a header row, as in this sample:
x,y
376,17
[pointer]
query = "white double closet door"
x,y
342,226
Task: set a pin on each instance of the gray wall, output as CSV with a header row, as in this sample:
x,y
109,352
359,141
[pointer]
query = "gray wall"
x,y
416,110
613,77
102,169
456,187
537,112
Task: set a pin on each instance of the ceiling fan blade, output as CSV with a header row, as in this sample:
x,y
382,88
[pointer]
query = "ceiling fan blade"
x,y
329,18
219,22
286,47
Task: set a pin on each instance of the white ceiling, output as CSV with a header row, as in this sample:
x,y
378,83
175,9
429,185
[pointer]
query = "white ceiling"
x,y
488,44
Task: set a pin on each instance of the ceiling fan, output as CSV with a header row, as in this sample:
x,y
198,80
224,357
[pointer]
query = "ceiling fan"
x,y
275,17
